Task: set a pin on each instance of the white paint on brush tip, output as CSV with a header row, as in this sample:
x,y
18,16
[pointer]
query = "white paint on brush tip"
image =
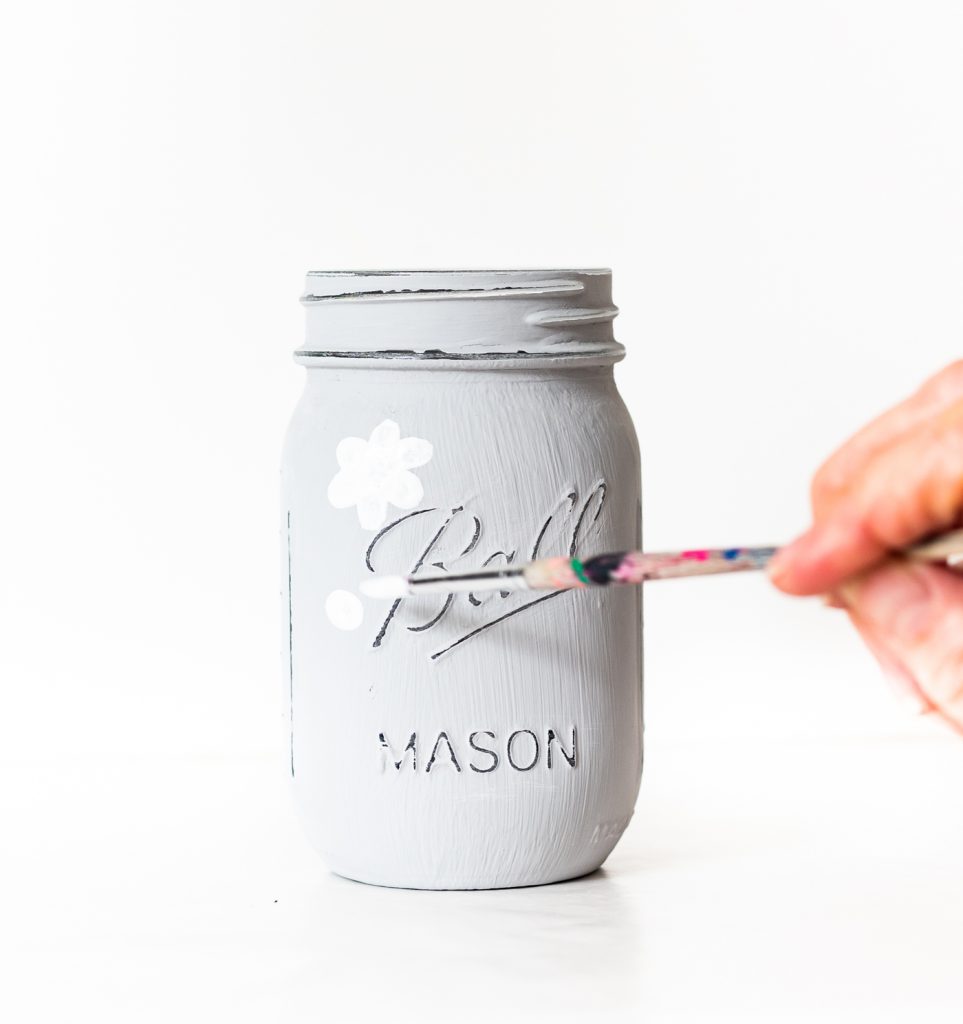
x,y
384,587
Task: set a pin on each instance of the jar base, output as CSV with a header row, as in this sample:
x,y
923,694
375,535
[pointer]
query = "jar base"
x,y
443,885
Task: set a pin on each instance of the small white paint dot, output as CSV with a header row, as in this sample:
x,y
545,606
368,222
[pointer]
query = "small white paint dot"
x,y
344,609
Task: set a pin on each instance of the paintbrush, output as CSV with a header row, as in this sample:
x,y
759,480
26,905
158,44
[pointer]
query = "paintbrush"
x,y
632,567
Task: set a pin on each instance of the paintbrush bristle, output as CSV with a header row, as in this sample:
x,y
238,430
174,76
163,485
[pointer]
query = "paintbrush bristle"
x,y
384,587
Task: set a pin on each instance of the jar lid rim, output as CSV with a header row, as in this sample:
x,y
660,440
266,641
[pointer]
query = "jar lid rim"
x,y
342,284
471,315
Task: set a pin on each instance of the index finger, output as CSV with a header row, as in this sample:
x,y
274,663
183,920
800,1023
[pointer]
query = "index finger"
x,y
840,471
904,493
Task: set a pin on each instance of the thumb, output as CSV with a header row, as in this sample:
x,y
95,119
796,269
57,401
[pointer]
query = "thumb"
x,y
916,612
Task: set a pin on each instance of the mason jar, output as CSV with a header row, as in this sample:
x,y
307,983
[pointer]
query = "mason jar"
x,y
452,420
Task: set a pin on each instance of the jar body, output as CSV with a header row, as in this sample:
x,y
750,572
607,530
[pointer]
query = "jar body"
x,y
467,741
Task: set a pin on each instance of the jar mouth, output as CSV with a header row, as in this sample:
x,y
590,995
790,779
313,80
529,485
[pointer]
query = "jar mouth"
x,y
336,284
467,315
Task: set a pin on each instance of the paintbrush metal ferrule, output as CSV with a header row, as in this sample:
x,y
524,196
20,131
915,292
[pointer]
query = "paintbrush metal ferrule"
x,y
388,587
466,582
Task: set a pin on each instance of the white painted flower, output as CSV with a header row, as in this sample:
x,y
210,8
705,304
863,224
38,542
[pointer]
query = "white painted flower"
x,y
377,472
344,610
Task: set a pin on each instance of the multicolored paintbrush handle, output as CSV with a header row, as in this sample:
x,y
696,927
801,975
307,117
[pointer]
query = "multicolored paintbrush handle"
x,y
636,567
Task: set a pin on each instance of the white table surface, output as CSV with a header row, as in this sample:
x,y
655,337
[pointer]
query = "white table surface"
x,y
770,880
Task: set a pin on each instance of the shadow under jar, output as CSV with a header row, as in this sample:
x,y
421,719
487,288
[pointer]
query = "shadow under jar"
x,y
453,420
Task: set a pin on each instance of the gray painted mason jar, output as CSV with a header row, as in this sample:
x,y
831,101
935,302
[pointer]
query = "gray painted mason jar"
x,y
452,420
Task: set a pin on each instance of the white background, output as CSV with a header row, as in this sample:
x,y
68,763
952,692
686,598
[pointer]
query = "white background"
x,y
777,189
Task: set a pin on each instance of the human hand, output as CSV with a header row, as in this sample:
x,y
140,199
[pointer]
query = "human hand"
x,y
895,482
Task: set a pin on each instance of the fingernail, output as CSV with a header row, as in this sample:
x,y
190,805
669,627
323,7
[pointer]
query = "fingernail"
x,y
776,569
822,542
895,601
781,562
818,544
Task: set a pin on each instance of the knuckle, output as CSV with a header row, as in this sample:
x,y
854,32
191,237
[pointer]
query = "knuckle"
x,y
948,382
954,371
826,485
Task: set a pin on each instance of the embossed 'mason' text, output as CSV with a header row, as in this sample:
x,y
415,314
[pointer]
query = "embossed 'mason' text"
x,y
482,752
